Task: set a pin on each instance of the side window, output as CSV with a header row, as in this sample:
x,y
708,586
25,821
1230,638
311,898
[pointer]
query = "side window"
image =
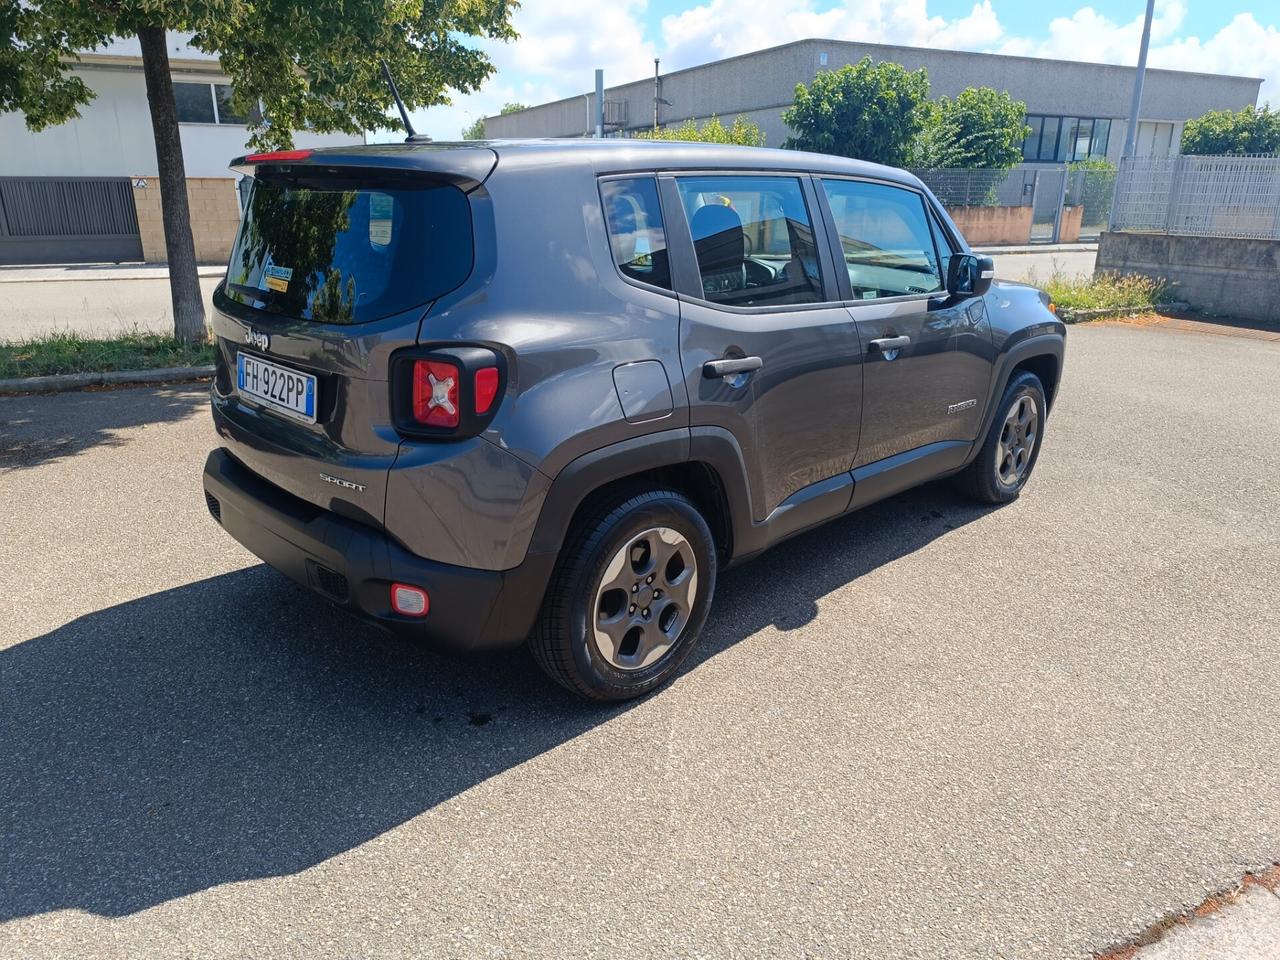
x,y
753,238
636,235
945,250
886,239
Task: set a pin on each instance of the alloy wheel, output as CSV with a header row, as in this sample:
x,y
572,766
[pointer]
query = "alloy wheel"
x,y
1017,441
645,598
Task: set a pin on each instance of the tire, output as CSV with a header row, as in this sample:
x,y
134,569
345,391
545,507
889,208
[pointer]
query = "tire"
x,y
629,595
1009,453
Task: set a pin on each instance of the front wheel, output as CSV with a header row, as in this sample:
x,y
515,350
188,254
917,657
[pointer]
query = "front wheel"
x,y
629,596
1008,455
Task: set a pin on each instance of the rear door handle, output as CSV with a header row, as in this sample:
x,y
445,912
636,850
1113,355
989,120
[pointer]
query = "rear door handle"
x,y
885,344
724,368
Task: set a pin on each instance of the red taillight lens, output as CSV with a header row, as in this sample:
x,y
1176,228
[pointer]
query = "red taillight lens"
x,y
486,388
409,601
435,393
278,156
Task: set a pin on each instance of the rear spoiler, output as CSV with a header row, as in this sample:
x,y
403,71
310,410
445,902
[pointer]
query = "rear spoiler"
x,y
464,165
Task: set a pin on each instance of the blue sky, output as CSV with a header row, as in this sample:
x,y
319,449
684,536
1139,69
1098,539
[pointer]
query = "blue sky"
x,y
562,41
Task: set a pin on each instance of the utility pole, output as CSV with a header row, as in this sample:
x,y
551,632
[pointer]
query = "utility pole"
x,y
599,104
1131,135
657,95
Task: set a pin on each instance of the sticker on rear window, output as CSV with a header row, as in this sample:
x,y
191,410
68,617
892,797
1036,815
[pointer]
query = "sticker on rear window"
x,y
277,278
381,207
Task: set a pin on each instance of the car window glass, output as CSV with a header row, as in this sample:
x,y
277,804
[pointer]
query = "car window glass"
x,y
636,234
945,250
885,237
753,239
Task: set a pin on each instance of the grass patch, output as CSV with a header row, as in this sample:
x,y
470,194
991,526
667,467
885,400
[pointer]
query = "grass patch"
x,y
1105,291
67,352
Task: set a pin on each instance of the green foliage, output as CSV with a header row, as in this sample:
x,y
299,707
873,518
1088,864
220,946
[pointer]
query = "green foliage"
x,y
743,132
1103,291
311,64
1251,130
981,128
512,108
69,352
863,110
1091,184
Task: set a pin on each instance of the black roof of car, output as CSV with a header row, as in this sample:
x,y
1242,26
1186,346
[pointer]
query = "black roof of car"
x,y
476,159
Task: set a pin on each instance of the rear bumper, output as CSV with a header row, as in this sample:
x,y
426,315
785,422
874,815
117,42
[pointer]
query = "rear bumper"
x,y
353,566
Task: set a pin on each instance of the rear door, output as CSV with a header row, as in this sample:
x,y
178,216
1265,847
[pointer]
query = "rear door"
x,y
928,354
769,353
332,271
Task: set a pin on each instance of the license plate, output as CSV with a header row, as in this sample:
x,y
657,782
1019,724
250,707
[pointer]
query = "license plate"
x,y
289,391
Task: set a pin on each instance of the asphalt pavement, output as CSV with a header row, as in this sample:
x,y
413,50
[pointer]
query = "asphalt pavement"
x,y
928,730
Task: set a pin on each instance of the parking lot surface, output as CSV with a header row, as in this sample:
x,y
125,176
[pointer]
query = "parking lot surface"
x,y
928,730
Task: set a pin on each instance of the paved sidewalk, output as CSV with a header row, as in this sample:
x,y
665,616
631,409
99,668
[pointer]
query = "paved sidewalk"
x,y
1245,928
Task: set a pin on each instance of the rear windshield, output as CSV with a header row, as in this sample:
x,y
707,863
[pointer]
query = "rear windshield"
x,y
332,253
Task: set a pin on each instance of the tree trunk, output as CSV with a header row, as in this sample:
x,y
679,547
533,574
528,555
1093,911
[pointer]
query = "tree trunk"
x,y
184,281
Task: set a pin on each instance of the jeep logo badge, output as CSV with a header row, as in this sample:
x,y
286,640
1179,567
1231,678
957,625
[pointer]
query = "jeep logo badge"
x,y
256,339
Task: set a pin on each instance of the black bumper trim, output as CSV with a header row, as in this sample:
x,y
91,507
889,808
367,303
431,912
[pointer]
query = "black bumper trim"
x,y
470,609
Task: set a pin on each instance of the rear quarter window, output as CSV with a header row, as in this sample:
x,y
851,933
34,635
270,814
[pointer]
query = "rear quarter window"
x,y
337,253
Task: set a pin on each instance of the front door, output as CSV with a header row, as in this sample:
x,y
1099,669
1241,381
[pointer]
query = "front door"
x,y
929,355
769,353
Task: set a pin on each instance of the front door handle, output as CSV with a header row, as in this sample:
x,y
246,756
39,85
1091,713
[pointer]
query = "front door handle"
x,y
713,369
886,344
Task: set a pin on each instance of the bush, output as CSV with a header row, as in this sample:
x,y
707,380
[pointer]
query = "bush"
x,y
866,111
1092,184
1251,130
743,132
1104,291
981,128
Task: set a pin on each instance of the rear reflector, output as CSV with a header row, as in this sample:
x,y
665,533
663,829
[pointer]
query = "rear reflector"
x,y
409,601
435,393
278,156
486,388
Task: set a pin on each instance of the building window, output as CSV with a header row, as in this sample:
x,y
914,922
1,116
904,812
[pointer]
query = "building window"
x,y
209,103
1065,139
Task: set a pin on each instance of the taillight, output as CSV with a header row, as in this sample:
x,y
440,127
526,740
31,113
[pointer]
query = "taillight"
x,y
446,393
486,388
435,393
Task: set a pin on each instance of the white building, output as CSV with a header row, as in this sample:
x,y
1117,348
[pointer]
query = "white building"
x,y
50,213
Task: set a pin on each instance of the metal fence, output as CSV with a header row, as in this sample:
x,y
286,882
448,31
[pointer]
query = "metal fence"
x,y
1199,196
67,219
1049,190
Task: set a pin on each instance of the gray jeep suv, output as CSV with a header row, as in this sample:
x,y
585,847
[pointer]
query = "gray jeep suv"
x,y
493,392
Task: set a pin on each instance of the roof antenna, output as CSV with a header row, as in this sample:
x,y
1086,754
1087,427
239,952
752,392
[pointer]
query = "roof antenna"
x,y
395,93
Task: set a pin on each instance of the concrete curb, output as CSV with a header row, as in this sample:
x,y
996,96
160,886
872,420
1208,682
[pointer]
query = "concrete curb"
x,y
77,381
1103,313
36,275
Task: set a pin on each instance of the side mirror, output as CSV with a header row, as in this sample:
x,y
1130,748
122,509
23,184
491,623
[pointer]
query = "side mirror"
x,y
969,275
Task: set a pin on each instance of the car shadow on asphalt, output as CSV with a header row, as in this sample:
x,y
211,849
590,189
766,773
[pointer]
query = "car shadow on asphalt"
x,y
39,428
235,728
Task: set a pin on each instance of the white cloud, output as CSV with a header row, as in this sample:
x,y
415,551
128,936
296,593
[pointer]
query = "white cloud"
x,y
561,43
723,28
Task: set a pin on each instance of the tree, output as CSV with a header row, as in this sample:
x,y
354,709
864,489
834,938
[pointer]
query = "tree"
x,y
981,128
864,110
310,64
743,132
475,129
1251,130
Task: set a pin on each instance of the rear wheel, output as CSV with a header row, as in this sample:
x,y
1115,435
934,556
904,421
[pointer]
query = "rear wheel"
x,y
629,596
1008,455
